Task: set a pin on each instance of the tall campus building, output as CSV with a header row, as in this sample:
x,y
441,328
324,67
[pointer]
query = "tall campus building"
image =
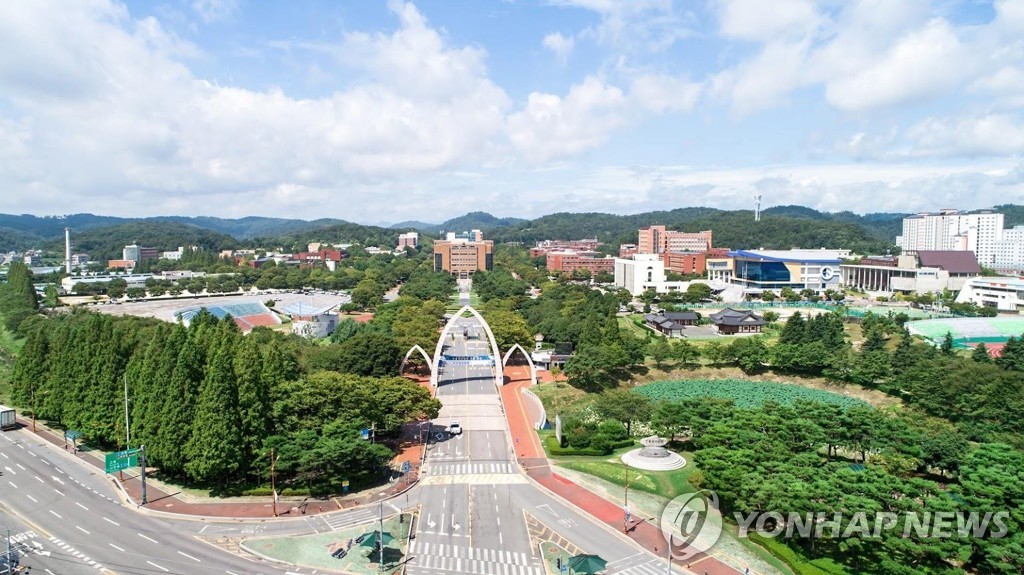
x,y
978,232
462,254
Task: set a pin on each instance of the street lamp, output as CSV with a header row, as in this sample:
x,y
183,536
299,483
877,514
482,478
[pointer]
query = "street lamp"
x,y
273,483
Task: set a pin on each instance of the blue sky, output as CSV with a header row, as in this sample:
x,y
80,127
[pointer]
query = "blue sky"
x,y
387,111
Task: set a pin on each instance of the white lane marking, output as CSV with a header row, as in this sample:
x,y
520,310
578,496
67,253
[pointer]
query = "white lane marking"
x,y
39,479
205,527
32,453
55,478
5,455
148,538
59,470
230,573
12,484
82,530
116,547
111,521
55,513
189,556
32,498
159,567
59,492
21,466
50,572
82,506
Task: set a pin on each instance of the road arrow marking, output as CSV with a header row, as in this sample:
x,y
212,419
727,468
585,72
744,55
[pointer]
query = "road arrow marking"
x,y
54,477
9,470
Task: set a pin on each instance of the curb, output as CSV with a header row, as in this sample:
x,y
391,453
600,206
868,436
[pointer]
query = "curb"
x,y
130,502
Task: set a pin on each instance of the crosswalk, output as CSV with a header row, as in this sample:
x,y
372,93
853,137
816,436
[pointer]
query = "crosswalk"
x,y
78,554
440,468
434,557
650,567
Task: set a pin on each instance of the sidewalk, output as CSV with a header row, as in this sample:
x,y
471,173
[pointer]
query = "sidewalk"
x,y
162,497
534,461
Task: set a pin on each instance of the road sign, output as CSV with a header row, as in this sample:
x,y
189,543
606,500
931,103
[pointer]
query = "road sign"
x,y
344,486
121,460
406,467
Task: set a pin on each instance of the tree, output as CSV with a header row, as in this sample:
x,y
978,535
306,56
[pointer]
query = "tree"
x,y
770,316
947,344
623,406
768,295
685,352
368,293
789,295
660,350
697,292
368,353
509,328
980,354
253,397
346,329
215,451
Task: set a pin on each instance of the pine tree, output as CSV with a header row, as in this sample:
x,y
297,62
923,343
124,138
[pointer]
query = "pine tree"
x,y
947,344
874,341
253,397
215,450
31,368
980,354
179,409
1012,355
793,331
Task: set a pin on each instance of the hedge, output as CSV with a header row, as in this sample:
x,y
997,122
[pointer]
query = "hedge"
x,y
551,443
794,560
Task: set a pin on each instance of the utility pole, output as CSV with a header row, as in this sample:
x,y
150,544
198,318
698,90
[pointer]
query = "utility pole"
x,y
142,465
380,534
273,483
32,390
127,429
10,560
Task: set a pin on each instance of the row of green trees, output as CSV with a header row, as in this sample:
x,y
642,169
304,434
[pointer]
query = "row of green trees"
x,y
18,299
209,403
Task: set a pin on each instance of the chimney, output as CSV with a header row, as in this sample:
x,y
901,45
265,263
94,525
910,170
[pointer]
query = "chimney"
x,y
67,250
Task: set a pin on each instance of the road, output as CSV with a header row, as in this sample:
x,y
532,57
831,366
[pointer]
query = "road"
x,y
474,499
74,514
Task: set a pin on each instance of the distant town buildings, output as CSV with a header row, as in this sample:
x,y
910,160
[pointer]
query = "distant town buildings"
x,y
79,260
463,254
408,240
548,246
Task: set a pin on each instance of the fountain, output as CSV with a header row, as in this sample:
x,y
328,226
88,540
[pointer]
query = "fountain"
x,y
653,456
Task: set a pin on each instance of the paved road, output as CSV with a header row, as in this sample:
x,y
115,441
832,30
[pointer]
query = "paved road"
x,y
474,498
76,515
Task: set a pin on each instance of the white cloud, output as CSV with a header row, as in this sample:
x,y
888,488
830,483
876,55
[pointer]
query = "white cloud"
x,y
560,45
991,134
634,25
214,10
765,81
762,21
104,97
554,127
661,93
923,63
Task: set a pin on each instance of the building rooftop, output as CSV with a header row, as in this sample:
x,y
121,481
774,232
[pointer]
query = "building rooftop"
x,y
1009,282
729,316
954,262
821,256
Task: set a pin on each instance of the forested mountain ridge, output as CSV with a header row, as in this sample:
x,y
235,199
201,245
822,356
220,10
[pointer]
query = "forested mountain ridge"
x,y
106,243
781,227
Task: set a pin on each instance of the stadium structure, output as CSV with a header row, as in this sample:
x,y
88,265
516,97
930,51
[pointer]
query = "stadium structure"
x,y
247,314
969,332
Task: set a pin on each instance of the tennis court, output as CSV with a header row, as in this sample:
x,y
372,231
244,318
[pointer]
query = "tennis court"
x,y
968,332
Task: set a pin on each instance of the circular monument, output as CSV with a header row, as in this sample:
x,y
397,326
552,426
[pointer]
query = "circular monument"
x,y
653,456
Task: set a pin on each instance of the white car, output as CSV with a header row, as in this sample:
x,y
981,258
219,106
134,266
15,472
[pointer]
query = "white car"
x,y
455,428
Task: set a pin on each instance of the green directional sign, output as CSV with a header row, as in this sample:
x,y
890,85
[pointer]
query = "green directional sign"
x,y
121,460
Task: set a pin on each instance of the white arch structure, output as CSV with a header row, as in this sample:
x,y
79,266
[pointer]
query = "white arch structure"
x,y
422,352
529,360
499,378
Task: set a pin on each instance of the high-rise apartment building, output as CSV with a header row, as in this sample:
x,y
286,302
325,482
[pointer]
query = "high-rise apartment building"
x,y
953,230
657,240
1009,256
408,240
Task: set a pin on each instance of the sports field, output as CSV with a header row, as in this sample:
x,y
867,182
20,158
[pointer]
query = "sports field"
x,y
969,331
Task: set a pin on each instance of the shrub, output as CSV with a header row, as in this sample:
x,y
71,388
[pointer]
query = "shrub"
x,y
613,430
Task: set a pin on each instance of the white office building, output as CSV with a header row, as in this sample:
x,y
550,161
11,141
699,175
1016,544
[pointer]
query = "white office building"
x,y
1010,251
953,230
1006,294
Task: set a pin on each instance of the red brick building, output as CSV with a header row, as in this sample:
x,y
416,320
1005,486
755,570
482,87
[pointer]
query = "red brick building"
x,y
570,261
687,263
548,246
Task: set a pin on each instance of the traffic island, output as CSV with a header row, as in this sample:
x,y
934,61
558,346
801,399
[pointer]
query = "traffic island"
x,y
353,550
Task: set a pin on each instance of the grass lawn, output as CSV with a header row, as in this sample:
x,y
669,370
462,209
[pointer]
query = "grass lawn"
x,y
609,468
626,324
